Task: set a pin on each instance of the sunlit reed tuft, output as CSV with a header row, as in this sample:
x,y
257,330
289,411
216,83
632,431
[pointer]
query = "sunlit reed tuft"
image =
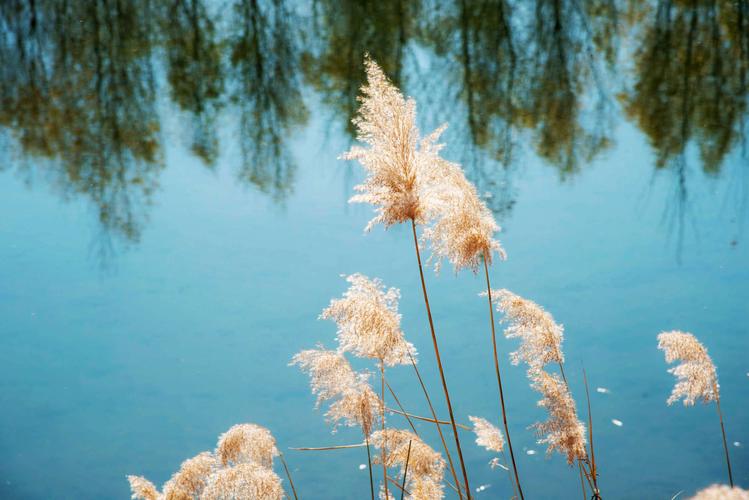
x,y
422,459
245,480
487,435
142,488
247,443
463,227
189,481
696,375
563,431
721,492
401,176
331,377
540,337
369,323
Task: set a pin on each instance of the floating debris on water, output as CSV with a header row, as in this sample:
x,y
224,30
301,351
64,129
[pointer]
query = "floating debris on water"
x,y
483,487
531,452
736,443
616,422
603,390
494,463
362,466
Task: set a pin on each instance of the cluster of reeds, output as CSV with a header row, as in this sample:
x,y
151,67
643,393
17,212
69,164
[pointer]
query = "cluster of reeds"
x,y
409,182
240,467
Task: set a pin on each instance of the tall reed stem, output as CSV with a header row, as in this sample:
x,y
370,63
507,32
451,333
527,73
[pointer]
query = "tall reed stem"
x,y
382,420
439,362
725,444
439,428
405,469
369,466
288,474
499,379
593,468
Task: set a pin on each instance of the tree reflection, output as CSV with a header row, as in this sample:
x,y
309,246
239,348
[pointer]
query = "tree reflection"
x,y
194,71
691,79
78,89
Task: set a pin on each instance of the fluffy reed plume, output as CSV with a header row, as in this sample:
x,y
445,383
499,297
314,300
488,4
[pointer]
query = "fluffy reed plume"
x,y
463,228
563,431
189,481
247,443
142,488
331,377
721,492
422,459
245,480
369,323
487,435
696,376
425,488
401,176
540,337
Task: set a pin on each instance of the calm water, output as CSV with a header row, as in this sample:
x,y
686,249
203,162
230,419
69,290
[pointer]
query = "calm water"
x,y
174,220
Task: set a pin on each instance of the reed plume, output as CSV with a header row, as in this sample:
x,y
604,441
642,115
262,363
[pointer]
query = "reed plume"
x,y
190,480
331,377
487,436
247,443
244,480
721,492
142,488
563,431
696,376
404,182
426,467
369,323
540,337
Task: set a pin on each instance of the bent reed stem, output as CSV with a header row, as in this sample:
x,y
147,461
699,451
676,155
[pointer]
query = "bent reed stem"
x,y
288,474
499,378
369,466
725,444
405,469
439,427
439,362
382,420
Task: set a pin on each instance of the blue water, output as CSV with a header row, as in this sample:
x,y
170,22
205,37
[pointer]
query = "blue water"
x,y
126,354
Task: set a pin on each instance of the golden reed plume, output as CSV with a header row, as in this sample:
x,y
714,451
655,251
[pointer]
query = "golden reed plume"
x,y
241,467
487,436
368,322
696,376
721,492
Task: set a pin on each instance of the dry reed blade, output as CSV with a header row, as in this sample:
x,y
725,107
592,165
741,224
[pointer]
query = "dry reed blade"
x,y
403,410
369,466
499,380
582,482
725,444
288,474
439,362
382,420
325,448
426,419
405,470
593,469
439,429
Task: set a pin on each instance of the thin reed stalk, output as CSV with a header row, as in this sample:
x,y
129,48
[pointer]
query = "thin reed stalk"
x,y
439,429
325,448
725,444
402,410
582,481
405,469
425,419
439,364
369,466
382,420
593,470
499,379
288,474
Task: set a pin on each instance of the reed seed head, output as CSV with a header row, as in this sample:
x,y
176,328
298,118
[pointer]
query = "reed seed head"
x,y
401,173
422,459
487,435
464,227
369,323
721,492
244,480
247,443
329,371
540,337
696,377
358,405
188,482
563,431
425,488
142,488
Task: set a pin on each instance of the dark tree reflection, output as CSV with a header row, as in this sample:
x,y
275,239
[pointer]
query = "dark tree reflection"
x,y
78,90
265,63
194,70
